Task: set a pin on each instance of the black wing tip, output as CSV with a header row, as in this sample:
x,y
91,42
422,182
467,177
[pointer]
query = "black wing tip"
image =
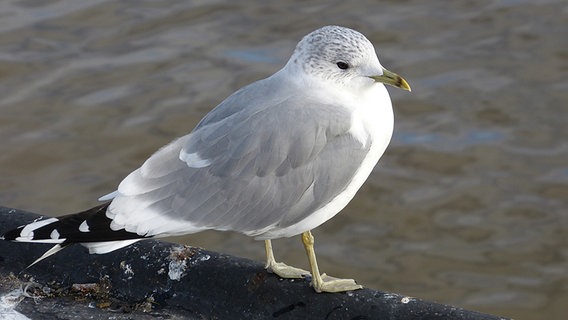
x,y
11,235
68,229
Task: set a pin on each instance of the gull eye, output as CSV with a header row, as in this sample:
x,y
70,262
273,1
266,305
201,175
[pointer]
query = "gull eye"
x,y
342,65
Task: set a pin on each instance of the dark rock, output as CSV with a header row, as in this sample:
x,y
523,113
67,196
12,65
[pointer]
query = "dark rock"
x,y
158,280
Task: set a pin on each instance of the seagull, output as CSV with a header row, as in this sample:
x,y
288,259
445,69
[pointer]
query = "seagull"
x,y
275,159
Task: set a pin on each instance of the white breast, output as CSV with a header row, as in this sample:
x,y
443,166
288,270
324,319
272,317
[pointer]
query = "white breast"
x,y
371,118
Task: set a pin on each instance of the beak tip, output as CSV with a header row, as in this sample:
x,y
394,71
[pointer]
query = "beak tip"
x,y
404,85
392,79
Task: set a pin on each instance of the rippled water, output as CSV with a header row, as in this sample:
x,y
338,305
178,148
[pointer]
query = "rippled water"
x,y
468,205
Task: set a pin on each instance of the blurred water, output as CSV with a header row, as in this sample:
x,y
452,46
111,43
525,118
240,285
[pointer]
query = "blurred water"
x,y
467,207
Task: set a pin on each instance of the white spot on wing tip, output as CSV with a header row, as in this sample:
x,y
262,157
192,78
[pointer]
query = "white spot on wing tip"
x,y
84,227
28,230
54,234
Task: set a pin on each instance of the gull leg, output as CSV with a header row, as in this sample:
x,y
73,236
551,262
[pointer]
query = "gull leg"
x,y
324,283
279,268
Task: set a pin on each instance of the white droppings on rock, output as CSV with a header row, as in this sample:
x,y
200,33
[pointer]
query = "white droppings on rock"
x,y
406,300
127,269
390,296
204,257
8,304
176,269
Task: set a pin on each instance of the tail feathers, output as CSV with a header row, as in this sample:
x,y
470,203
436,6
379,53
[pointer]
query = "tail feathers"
x,y
107,246
31,232
94,247
91,228
55,249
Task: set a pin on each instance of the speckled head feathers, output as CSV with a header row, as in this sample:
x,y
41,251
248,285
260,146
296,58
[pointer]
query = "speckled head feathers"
x,y
320,51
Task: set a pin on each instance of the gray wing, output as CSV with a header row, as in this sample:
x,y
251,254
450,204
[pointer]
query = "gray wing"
x,y
248,169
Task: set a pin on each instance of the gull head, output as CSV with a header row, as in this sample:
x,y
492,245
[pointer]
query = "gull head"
x,y
343,56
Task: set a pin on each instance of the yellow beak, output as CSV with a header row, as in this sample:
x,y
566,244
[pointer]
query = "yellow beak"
x,y
392,79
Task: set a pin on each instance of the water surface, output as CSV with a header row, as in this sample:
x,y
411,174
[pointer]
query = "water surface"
x,y
468,205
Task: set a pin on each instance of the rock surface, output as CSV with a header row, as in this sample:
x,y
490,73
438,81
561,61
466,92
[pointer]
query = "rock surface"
x,y
158,280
